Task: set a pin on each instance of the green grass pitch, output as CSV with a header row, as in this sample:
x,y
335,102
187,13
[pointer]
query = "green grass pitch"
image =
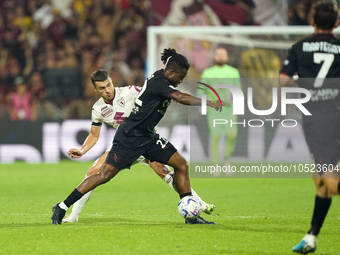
x,y
136,213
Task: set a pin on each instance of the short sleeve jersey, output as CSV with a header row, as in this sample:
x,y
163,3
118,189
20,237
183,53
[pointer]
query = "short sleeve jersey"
x,y
114,112
150,105
316,60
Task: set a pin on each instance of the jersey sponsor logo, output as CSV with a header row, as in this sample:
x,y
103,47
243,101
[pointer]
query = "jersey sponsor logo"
x,y
103,108
121,102
324,94
107,113
161,112
166,103
119,117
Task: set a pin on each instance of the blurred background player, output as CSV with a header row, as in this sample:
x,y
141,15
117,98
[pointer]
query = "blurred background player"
x,y
221,73
112,108
318,57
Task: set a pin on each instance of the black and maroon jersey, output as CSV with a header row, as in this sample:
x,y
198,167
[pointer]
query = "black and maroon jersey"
x,y
316,60
150,105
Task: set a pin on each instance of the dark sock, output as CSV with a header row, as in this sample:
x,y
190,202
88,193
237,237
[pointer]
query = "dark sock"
x,y
339,187
320,211
185,194
72,198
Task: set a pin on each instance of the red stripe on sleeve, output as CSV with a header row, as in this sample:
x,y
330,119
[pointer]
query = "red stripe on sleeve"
x,y
172,93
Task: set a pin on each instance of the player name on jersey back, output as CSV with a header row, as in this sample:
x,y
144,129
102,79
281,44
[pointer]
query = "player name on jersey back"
x,y
321,47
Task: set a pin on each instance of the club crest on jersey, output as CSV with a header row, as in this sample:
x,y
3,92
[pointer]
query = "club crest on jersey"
x,y
121,101
166,103
107,112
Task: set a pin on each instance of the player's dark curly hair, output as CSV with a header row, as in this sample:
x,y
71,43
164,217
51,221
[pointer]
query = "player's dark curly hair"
x,y
325,14
177,61
99,75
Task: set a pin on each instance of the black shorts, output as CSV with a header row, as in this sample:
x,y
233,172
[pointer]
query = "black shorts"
x,y
126,149
323,138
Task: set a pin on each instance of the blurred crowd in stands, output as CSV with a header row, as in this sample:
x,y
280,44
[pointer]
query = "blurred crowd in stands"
x,y
37,36
299,13
41,40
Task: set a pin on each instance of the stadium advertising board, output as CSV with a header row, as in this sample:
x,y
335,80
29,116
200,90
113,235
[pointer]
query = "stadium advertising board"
x,y
48,142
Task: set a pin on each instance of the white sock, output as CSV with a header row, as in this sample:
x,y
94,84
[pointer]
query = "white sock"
x,y
63,206
170,181
204,204
79,205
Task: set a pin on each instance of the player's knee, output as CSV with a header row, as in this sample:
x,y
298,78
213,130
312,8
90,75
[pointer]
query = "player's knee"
x,y
107,175
93,170
183,166
333,189
332,185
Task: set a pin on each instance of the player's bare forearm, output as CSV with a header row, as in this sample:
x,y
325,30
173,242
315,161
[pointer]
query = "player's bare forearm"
x,y
90,141
187,99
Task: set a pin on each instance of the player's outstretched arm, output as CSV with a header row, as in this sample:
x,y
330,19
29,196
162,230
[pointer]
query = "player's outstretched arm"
x,y
90,141
285,80
187,99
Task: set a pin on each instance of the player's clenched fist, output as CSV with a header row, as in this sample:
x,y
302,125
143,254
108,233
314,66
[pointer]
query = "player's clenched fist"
x,y
75,153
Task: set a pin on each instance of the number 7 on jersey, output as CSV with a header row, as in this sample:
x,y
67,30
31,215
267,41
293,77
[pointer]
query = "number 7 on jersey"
x,y
327,60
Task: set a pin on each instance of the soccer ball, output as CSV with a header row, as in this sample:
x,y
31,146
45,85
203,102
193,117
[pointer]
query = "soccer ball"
x,y
189,207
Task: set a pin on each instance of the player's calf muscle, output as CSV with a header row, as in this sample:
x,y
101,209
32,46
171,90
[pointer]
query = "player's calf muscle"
x,y
104,175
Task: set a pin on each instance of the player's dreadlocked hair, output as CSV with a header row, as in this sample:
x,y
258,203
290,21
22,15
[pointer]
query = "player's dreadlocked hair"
x,y
325,14
174,60
99,75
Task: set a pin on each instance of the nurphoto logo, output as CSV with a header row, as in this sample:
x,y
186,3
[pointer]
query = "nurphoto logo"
x,y
238,104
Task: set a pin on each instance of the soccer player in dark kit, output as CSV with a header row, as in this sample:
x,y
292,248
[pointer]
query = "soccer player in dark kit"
x,y
113,106
316,60
136,136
